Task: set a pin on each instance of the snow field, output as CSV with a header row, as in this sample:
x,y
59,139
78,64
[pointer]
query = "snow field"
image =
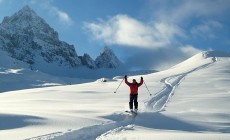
x,y
189,101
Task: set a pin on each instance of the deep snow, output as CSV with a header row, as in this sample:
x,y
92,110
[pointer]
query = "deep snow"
x,y
189,101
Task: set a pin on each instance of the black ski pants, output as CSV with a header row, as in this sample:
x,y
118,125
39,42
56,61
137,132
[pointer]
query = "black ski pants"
x,y
133,99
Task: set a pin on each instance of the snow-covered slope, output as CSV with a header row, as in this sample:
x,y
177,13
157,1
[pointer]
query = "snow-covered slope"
x,y
17,75
189,101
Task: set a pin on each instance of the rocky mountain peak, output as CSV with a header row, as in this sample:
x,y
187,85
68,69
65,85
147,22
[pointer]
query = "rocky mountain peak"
x,y
107,59
88,61
22,17
26,8
26,21
26,11
27,37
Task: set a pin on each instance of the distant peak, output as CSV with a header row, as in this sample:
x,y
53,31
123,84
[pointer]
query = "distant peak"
x,y
26,8
106,49
24,14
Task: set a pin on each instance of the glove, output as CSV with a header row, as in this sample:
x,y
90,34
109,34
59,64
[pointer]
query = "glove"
x,y
141,78
125,76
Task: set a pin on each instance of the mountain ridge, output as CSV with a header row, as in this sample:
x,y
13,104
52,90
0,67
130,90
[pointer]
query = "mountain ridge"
x,y
27,37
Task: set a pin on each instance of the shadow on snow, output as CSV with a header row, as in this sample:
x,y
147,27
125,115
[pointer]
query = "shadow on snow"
x,y
160,121
12,121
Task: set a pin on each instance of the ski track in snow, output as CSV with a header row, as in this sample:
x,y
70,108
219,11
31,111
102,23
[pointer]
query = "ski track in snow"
x,y
156,103
92,132
46,137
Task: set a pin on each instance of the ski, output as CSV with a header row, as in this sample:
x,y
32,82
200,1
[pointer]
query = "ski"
x,y
131,112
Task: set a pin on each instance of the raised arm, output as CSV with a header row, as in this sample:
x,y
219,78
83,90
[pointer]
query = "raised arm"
x,y
141,82
126,81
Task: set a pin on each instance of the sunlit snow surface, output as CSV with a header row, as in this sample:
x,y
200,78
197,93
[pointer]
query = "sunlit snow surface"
x,y
189,101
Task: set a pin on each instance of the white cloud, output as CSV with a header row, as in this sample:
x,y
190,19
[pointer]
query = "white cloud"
x,y
62,16
170,25
206,29
179,11
189,50
124,30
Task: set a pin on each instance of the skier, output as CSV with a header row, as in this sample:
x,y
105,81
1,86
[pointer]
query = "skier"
x,y
133,93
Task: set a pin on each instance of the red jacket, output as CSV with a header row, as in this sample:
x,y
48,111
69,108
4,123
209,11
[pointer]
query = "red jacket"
x,y
133,86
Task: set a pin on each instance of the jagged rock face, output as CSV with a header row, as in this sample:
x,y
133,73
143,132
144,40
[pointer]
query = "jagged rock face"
x,y
88,61
26,21
107,59
26,36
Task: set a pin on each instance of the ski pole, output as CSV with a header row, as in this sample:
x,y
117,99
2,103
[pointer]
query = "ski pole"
x,y
118,86
147,88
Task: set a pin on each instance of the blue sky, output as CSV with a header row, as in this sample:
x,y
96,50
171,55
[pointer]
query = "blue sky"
x,y
144,34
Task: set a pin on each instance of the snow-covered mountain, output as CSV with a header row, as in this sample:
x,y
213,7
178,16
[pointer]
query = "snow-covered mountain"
x,y
27,37
88,61
107,59
189,101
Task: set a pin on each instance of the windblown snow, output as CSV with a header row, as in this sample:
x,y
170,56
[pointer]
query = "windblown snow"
x,y
188,101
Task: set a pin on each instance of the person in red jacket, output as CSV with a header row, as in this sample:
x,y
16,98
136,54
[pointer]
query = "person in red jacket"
x,y
133,92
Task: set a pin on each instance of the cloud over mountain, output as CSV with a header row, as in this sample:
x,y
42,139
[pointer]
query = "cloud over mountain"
x,y
62,16
181,28
127,31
